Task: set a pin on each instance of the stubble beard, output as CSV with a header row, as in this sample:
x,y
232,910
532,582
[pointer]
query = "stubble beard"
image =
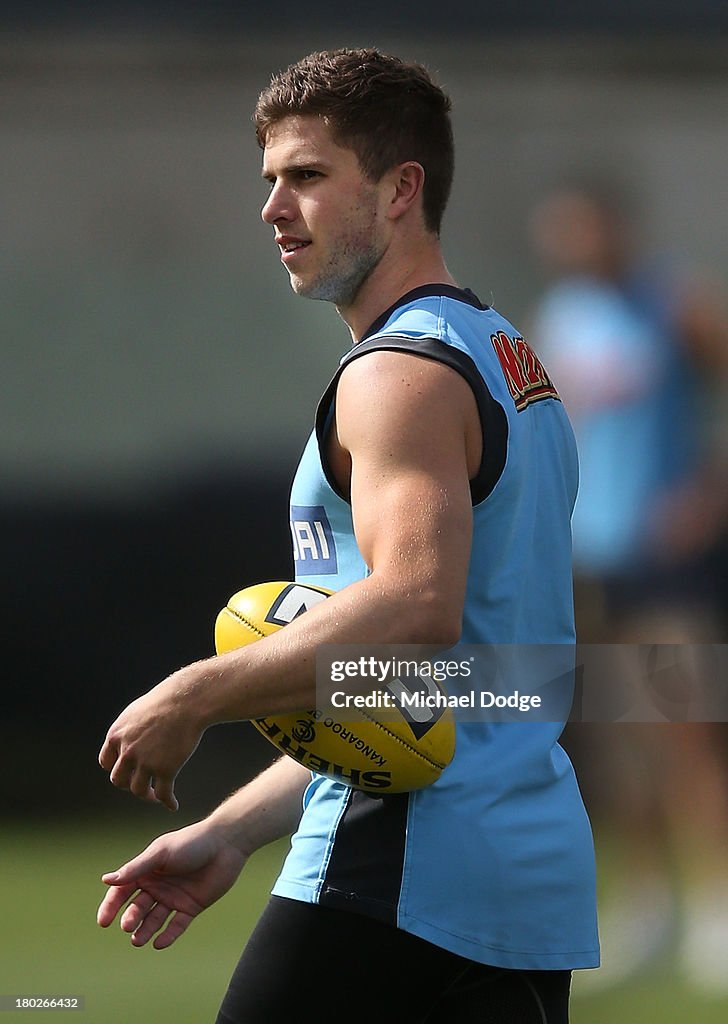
x,y
340,285
353,258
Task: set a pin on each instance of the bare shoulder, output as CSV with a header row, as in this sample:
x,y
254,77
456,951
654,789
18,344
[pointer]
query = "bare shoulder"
x,y
403,392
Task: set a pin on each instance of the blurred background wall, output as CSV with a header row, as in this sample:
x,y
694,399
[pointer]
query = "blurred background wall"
x,y
159,377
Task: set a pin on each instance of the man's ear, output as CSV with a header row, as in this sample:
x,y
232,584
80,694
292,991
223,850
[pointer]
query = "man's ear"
x,y
407,182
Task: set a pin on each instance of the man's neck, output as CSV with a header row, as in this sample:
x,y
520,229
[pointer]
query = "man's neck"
x,y
392,278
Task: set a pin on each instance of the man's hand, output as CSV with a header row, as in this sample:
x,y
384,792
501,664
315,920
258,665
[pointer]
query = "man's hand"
x,y
150,741
164,888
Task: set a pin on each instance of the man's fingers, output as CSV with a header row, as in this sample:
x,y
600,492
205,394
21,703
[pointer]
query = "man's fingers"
x,y
108,754
153,860
112,903
140,783
151,922
122,773
136,912
178,925
164,793
125,773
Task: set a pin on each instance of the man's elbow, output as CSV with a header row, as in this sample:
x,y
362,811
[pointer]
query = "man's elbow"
x,y
431,620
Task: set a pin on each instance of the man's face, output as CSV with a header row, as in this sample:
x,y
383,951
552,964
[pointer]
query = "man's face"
x,y
325,212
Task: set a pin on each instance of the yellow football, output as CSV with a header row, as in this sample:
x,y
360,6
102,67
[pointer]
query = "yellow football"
x,y
376,750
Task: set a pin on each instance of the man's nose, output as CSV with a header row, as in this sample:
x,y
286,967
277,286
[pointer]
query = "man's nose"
x,y
278,206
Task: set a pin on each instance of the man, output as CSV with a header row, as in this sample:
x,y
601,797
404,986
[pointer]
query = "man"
x,y
445,465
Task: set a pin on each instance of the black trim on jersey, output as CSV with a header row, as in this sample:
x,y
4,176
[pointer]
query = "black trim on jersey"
x,y
493,419
364,873
449,291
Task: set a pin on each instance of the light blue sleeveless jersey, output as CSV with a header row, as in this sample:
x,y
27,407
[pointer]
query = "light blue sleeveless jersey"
x,y
495,860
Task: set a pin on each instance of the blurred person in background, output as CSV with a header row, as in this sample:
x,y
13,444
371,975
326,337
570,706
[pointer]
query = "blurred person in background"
x,y
639,346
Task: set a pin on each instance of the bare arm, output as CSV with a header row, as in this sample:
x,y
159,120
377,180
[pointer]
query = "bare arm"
x,y
267,809
407,440
182,873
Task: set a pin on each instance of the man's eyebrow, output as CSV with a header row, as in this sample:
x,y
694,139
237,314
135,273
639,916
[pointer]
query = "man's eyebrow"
x,y
293,166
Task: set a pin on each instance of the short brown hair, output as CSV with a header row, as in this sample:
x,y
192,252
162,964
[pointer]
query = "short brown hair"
x,y
386,110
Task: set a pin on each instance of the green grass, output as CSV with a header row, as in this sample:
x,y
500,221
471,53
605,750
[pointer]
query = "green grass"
x,y
661,999
50,943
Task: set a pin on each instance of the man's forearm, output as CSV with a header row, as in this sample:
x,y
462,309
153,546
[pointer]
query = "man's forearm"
x,y
266,809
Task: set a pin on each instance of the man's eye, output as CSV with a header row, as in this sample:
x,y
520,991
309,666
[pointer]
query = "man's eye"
x,y
306,174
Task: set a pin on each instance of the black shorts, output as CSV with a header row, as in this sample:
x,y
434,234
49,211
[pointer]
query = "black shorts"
x,y
307,963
